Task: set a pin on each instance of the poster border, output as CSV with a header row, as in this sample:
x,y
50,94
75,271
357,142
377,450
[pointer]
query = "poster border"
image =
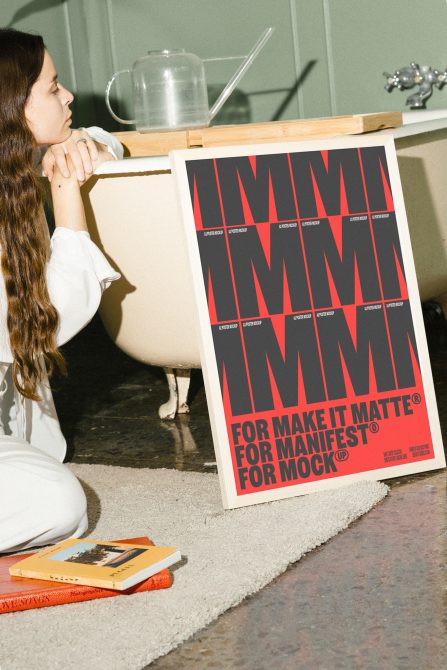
x,y
230,498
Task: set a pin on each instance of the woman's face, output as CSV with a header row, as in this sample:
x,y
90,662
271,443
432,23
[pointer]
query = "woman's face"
x,y
46,110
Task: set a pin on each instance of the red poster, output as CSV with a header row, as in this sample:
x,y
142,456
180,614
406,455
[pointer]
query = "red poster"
x,y
313,347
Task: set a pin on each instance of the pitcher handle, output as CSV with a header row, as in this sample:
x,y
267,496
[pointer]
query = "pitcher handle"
x,y
107,96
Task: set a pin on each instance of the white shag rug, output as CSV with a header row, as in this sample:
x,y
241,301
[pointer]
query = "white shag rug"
x,y
228,555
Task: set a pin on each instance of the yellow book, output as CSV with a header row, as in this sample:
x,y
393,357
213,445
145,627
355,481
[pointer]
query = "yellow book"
x,y
109,565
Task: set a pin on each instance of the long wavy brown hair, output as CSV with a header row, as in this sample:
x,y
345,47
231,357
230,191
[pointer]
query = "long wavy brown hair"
x,y
32,320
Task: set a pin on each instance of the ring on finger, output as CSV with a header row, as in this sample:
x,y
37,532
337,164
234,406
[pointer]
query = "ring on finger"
x,y
81,140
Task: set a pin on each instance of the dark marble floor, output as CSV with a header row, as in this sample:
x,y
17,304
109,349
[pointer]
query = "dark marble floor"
x,y
371,598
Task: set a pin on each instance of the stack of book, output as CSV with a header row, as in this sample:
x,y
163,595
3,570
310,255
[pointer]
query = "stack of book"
x,y
76,570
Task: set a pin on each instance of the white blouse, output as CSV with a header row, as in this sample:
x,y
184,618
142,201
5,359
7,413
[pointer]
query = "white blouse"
x,y
77,273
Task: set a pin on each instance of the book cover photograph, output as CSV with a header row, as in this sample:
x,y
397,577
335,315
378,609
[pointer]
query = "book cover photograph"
x,y
21,593
110,565
313,347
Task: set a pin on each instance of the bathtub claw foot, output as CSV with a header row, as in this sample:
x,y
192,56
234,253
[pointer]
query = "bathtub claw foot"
x,y
178,384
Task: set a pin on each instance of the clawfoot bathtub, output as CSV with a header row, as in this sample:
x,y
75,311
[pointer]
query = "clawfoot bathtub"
x,y
133,216
149,313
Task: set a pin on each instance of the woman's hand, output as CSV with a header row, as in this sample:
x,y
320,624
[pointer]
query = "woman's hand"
x,y
66,195
84,154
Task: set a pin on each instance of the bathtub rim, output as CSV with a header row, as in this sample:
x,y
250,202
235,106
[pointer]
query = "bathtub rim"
x,y
430,120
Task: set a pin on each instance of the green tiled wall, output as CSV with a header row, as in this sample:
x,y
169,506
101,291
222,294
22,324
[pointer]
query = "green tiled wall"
x,y
326,57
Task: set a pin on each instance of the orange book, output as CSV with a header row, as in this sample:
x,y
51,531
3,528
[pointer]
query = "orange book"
x,y
19,593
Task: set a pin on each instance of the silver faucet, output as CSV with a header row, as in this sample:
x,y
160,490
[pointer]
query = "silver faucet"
x,y
423,76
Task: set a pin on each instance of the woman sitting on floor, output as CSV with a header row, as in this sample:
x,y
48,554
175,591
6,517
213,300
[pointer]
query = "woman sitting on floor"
x,y
49,289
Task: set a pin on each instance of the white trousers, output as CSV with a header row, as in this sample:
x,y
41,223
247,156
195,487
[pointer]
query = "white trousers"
x,y
41,501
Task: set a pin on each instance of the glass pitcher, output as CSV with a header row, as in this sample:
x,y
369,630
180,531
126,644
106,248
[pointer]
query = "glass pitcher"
x,y
169,89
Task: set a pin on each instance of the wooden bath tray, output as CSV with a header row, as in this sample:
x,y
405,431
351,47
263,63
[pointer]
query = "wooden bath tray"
x,y
159,144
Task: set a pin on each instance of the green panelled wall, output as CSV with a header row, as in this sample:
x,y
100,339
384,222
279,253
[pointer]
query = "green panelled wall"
x,y
326,57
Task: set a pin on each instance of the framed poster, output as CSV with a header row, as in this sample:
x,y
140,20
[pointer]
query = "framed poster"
x,y
313,347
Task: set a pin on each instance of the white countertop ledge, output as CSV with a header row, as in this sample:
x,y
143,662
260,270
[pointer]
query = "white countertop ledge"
x,y
418,121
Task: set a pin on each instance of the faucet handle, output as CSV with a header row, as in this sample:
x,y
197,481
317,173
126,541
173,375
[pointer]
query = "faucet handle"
x,y
392,80
441,79
405,77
